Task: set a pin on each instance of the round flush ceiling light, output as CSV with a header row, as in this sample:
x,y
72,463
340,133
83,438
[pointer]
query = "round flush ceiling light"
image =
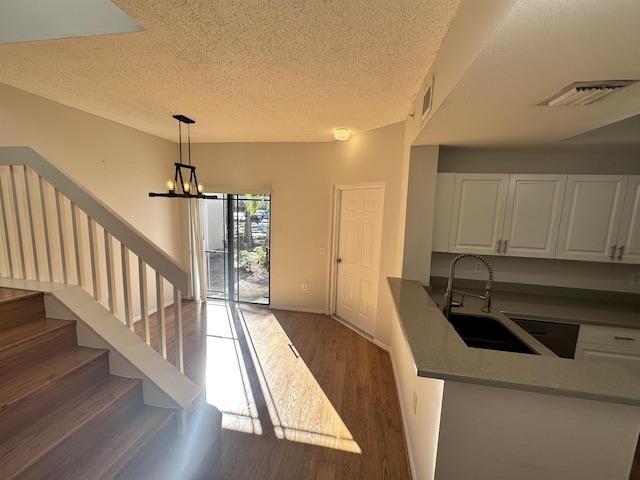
x,y
341,133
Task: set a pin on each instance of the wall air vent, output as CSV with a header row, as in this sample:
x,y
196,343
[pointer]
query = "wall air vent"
x,y
585,93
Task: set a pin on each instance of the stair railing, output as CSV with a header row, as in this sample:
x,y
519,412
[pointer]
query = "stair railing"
x,y
54,230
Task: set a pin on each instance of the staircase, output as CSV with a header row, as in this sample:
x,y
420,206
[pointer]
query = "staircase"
x,y
62,415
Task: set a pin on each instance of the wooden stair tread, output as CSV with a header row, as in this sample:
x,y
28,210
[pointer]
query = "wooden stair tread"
x,y
19,308
37,328
13,294
113,443
45,433
16,384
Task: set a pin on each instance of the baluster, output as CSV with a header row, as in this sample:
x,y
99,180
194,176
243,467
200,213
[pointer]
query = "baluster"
x,y
61,236
162,322
5,224
179,341
45,225
126,285
34,248
93,254
18,223
77,245
144,302
111,280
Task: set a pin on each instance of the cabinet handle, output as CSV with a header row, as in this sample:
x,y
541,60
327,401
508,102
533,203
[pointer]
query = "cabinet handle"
x,y
498,246
504,250
538,334
613,252
621,253
630,339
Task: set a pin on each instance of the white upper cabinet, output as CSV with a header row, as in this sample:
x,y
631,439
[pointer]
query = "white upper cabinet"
x,y
532,219
628,244
502,214
479,203
591,217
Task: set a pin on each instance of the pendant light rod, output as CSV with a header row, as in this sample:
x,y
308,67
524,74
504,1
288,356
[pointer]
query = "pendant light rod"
x,y
178,181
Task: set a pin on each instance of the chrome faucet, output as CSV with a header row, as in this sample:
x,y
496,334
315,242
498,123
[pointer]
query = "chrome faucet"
x,y
448,296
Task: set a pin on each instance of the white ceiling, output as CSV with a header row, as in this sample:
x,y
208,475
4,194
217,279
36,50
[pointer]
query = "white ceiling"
x,y
245,70
540,47
292,70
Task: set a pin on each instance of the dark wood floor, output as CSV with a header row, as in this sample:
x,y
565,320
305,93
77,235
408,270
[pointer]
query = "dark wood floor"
x,y
302,396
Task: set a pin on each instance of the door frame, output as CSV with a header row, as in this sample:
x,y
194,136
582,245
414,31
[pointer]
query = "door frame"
x,y
335,232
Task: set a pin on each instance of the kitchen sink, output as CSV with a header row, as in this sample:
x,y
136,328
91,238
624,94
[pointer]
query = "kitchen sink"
x,y
486,332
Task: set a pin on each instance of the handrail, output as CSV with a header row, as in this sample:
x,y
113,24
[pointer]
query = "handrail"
x,y
135,241
26,244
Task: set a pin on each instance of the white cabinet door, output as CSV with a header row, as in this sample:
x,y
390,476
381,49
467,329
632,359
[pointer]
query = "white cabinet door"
x,y
629,234
479,204
591,217
534,207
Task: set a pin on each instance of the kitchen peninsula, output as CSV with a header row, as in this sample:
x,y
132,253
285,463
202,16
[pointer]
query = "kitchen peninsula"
x,y
485,414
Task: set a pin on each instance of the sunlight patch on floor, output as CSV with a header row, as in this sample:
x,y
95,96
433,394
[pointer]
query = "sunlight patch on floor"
x,y
227,381
299,409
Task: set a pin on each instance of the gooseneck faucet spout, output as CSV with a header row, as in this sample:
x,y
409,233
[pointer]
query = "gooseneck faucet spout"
x,y
448,297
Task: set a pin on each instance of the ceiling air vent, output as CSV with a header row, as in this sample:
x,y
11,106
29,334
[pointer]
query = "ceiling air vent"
x,y
585,93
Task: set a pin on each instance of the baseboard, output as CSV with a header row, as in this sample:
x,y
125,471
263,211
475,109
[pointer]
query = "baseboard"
x,y
294,309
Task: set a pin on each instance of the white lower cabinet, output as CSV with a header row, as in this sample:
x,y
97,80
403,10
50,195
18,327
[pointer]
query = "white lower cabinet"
x,y
619,346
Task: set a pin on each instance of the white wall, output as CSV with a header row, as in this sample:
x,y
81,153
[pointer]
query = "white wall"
x,y
419,225
116,163
491,433
121,165
422,424
301,178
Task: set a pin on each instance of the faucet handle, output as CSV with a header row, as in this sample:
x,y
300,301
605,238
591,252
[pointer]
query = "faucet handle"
x,y
458,303
486,305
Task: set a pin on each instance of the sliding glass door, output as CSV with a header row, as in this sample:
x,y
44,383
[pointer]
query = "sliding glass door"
x,y
237,247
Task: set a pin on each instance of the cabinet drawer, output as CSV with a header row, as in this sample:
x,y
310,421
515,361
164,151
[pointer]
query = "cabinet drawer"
x,y
622,337
624,357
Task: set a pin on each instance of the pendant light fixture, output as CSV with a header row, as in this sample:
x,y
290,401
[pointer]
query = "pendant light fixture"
x,y
184,187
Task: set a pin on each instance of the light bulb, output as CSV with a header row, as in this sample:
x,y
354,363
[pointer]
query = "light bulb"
x,y
186,186
200,188
171,186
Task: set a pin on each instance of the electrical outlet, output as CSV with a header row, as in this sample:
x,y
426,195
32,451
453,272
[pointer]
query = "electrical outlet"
x,y
415,402
477,268
304,287
635,279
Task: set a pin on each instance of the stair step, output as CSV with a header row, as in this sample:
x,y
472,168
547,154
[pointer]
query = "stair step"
x,y
43,434
17,384
112,442
18,307
19,414
46,335
193,455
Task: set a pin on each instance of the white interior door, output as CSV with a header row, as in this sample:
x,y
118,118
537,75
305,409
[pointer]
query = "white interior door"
x,y
359,237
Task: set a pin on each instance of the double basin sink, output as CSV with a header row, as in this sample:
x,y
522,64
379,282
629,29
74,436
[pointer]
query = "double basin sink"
x,y
495,332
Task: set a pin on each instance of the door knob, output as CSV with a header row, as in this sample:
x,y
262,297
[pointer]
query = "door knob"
x,y
339,260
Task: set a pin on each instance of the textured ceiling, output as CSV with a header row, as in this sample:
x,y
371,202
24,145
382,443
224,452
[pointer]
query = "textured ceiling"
x,y
540,47
245,70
